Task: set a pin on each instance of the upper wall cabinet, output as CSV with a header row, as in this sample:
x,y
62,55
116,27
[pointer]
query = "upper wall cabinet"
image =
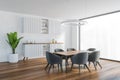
x,y
35,25
45,26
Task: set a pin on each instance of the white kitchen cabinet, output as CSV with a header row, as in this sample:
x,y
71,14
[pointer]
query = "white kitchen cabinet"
x,y
38,50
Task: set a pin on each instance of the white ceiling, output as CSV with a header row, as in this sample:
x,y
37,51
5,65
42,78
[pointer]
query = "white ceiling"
x,y
61,9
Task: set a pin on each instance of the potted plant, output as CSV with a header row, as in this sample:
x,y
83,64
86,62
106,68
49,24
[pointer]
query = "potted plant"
x,y
13,41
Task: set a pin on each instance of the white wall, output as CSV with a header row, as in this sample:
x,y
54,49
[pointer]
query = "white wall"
x,y
68,36
10,22
75,37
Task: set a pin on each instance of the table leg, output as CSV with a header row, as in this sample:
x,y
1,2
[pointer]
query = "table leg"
x,y
24,59
66,63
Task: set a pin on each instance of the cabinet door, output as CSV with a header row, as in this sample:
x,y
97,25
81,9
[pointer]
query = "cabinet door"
x,y
45,47
52,47
33,51
32,25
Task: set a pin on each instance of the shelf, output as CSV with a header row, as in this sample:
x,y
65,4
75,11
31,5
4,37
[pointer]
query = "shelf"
x,y
44,43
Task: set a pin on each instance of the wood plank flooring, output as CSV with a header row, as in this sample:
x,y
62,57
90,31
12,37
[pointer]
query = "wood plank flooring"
x,y
34,70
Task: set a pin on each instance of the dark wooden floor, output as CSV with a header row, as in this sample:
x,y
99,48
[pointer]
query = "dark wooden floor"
x,y
34,70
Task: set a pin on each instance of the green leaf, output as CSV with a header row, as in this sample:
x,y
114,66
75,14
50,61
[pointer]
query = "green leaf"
x,y
13,40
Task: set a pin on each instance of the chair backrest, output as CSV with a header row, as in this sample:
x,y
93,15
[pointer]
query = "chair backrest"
x,y
59,50
94,56
71,49
52,58
91,49
80,58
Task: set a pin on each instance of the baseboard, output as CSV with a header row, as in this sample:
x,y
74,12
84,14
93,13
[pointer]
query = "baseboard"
x,y
109,59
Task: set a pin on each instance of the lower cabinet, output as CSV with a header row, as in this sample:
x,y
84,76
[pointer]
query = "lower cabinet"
x,y
39,50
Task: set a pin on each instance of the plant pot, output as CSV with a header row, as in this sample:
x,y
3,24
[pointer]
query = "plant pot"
x,y
13,58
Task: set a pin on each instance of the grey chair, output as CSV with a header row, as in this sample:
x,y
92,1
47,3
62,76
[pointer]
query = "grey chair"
x,y
59,50
63,57
91,49
71,49
94,58
80,59
53,59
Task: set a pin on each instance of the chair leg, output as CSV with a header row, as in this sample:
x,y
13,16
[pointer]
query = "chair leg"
x,y
71,66
79,68
99,65
94,65
49,68
46,66
58,67
53,66
67,61
61,67
87,67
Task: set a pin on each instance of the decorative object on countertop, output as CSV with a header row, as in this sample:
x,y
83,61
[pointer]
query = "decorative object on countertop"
x,y
53,41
